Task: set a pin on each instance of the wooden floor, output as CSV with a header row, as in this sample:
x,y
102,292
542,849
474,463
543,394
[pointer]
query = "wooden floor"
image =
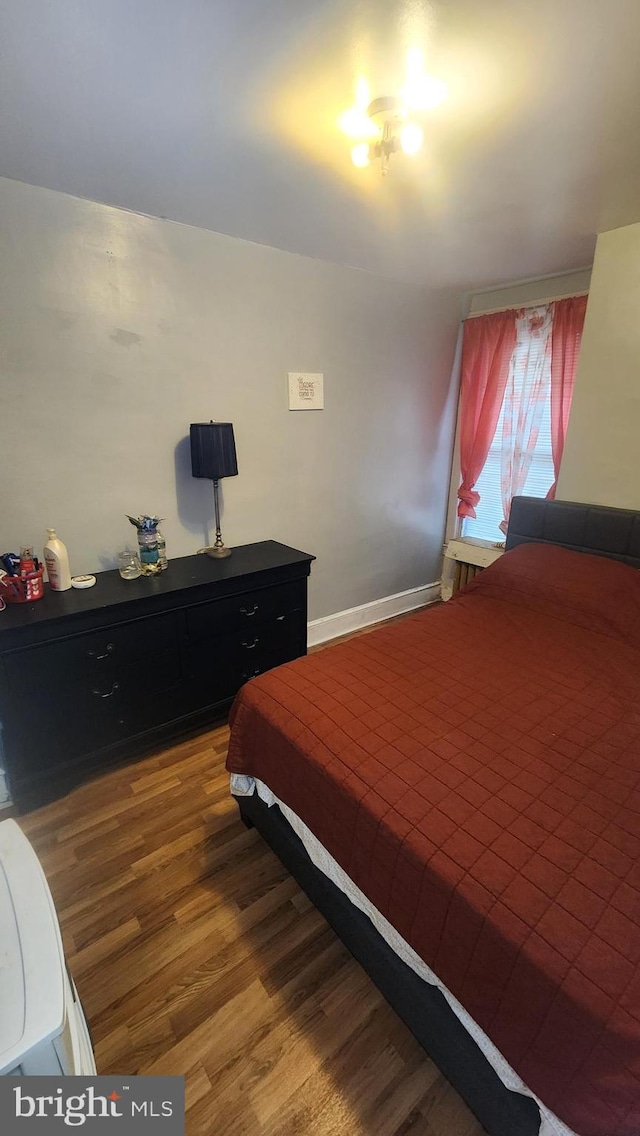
x,y
195,952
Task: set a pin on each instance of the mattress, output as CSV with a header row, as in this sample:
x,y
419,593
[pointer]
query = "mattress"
x,y
475,772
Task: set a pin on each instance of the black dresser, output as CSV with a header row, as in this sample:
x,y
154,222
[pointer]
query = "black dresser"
x,y
93,675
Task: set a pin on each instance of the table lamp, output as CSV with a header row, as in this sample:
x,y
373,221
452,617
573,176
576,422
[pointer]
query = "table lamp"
x,y
213,455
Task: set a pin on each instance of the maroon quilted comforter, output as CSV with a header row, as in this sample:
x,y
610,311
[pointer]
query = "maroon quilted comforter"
x,y
475,769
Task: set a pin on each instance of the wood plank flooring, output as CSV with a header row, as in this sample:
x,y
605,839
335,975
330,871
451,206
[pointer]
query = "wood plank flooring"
x,y
195,952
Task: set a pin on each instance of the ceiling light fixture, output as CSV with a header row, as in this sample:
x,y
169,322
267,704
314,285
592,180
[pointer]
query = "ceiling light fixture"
x,y
382,126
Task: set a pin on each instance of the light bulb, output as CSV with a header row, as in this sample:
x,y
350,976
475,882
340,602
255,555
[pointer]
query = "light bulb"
x,y
411,138
351,122
355,123
360,155
428,94
415,64
363,93
422,91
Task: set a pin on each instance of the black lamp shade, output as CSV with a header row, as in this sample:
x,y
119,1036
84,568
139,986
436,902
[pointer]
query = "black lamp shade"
x,y
213,450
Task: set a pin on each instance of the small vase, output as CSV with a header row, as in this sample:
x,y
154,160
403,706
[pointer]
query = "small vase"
x,y
151,544
148,552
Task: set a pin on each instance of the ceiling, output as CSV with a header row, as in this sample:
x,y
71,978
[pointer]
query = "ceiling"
x,y
221,113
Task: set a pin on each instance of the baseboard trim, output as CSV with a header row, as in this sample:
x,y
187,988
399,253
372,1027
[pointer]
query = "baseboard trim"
x,y
353,618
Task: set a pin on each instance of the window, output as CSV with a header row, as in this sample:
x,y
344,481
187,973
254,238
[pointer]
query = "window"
x,y
532,353
530,363
539,481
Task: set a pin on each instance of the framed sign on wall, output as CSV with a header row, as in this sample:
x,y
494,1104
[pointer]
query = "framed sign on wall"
x,y
306,391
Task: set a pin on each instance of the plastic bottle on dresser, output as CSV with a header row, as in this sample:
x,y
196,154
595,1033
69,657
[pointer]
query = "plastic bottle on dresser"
x,y
56,559
162,552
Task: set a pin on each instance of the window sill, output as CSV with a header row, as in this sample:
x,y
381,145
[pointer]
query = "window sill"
x,y
471,550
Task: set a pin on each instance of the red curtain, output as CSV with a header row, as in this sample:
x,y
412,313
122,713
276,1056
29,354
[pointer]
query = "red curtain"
x,y
487,346
566,336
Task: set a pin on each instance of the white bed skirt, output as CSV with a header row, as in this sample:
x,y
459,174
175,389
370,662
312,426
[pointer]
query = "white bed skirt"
x,y
244,786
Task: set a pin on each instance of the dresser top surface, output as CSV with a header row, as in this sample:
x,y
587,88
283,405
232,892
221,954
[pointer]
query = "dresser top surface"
x,y
183,573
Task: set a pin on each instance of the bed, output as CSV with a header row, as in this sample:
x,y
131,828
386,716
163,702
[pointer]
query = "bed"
x,y
459,793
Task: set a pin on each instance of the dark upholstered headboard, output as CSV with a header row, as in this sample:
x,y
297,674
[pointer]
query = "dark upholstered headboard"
x,y
584,528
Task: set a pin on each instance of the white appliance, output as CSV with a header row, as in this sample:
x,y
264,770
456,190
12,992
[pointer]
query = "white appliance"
x,y
42,1025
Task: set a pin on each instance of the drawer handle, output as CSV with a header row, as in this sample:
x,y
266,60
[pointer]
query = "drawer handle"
x,y
250,674
109,694
109,651
250,646
245,610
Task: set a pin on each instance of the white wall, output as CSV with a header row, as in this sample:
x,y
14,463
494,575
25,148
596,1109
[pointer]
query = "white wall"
x,y
601,456
118,330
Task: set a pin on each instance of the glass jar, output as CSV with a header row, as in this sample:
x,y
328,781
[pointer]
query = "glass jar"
x,y
151,546
129,565
148,552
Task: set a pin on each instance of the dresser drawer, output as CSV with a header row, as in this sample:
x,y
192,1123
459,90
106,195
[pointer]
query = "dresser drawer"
x,y
244,611
219,667
58,723
96,652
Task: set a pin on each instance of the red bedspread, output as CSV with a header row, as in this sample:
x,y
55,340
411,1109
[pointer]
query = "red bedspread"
x,y
475,769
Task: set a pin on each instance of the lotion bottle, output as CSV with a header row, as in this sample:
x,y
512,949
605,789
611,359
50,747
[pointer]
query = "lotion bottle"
x,y
56,559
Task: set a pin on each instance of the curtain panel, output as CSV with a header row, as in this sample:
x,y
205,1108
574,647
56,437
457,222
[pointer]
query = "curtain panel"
x,y
487,348
566,337
525,398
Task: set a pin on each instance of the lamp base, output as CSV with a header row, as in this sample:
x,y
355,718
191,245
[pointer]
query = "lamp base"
x,y
216,552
